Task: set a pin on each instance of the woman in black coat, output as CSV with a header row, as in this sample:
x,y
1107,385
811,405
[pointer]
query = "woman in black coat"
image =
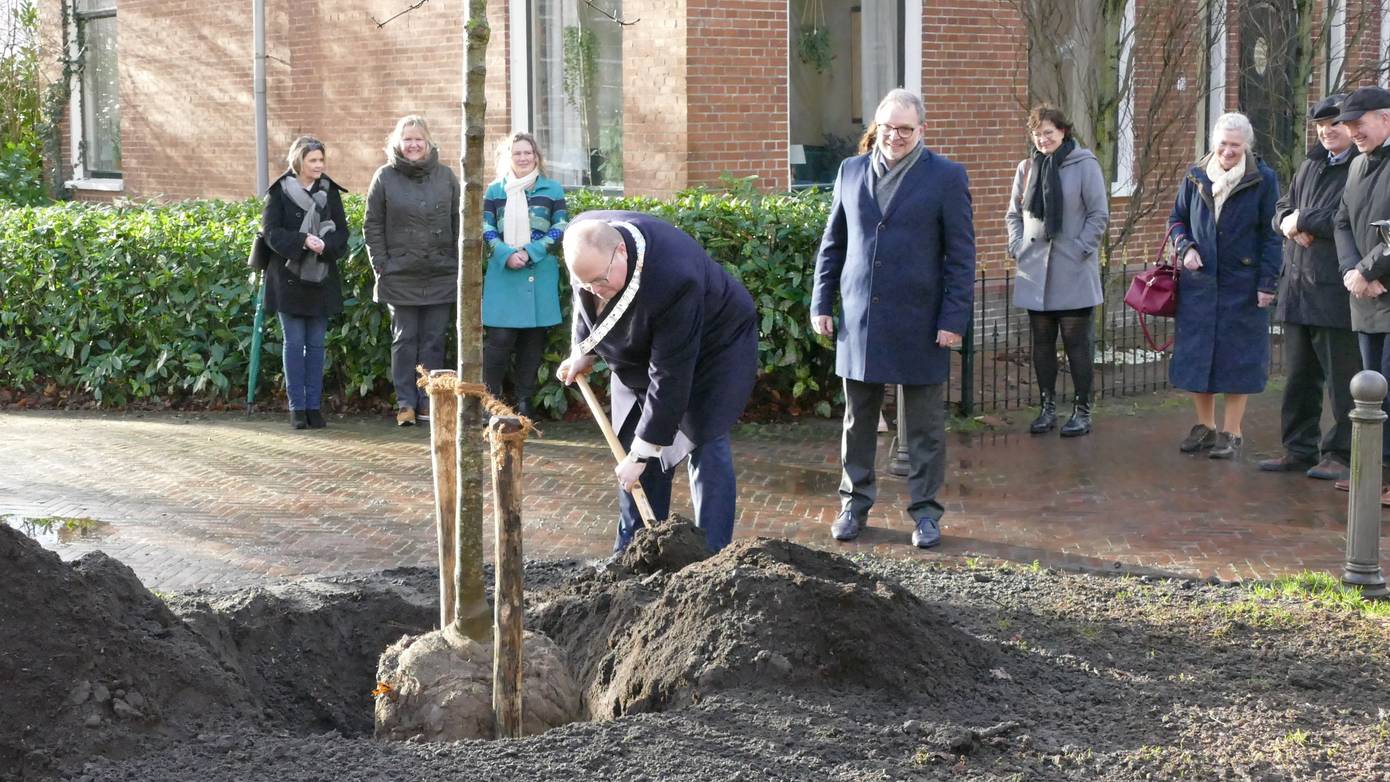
x,y
304,224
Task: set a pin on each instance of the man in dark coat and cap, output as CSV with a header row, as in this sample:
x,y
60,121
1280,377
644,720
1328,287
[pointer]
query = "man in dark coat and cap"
x,y
1361,246
899,254
1319,345
680,335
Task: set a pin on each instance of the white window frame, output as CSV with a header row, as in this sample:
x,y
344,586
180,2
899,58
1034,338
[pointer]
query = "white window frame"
x,y
1336,45
1384,58
519,54
1216,76
1124,185
81,180
912,46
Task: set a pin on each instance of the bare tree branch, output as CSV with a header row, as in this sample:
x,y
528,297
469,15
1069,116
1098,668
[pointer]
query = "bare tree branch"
x,y
394,16
610,14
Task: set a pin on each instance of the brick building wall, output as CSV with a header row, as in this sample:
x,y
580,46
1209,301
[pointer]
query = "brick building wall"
x,y
656,133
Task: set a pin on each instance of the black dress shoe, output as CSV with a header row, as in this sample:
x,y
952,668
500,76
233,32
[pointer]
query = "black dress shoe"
x,y
1286,463
299,419
316,419
847,526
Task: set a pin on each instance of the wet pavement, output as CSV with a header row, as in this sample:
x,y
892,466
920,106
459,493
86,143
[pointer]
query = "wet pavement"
x,y
221,500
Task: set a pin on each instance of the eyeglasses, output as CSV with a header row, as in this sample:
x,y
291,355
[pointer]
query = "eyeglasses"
x,y
589,284
903,131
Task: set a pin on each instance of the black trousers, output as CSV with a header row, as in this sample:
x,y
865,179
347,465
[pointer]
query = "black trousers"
x,y
501,348
1075,327
1316,357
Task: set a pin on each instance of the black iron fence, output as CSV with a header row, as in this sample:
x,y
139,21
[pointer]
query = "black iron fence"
x,y
993,370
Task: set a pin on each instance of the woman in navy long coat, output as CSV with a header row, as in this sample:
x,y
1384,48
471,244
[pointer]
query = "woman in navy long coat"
x,y
1221,225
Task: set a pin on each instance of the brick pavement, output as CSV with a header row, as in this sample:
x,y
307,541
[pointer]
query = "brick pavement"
x,y
205,500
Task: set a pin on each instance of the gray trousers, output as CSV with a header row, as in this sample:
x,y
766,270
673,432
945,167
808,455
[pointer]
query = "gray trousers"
x,y
417,337
925,407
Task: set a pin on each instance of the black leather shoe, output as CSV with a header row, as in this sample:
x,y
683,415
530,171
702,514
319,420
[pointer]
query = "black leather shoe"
x,y
299,419
847,526
927,534
1201,438
1329,469
1227,446
1080,422
1047,416
316,419
1286,463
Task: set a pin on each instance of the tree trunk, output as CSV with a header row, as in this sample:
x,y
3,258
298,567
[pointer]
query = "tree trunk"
x,y
471,617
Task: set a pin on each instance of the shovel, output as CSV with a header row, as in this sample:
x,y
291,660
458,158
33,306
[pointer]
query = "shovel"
x,y
643,506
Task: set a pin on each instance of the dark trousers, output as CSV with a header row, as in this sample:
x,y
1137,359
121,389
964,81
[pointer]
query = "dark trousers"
x,y
1075,327
925,408
502,347
417,338
713,489
1316,357
303,356
1375,355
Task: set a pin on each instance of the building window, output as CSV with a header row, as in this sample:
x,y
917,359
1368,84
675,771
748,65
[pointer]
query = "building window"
x,y
576,67
844,56
97,130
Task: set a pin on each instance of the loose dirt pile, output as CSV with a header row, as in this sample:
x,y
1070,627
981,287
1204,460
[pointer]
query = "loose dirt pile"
x,y
762,614
893,671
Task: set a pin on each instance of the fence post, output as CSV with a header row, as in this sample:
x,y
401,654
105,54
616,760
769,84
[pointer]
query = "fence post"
x,y
443,428
506,439
1362,569
967,370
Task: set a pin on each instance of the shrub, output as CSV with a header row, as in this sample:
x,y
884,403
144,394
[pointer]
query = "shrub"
x,y
133,302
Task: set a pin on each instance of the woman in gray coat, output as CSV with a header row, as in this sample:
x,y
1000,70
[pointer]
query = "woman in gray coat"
x,y
412,229
1056,219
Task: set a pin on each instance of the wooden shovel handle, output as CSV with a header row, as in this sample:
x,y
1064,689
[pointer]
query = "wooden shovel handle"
x,y
643,506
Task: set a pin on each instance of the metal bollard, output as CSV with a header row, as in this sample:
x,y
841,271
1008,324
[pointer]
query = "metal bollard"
x,y
1362,569
900,466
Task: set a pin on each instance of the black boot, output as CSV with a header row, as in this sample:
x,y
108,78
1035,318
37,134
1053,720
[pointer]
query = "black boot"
x,y
1080,421
1047,418
299,419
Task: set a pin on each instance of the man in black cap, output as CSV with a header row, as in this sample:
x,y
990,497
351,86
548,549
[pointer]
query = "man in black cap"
x,y
1360,249
1319,345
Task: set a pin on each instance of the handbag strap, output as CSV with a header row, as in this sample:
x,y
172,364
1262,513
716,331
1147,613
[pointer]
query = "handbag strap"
x,y
1158,261
1143,324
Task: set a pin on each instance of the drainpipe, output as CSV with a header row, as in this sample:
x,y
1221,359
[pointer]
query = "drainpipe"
x,y
258,77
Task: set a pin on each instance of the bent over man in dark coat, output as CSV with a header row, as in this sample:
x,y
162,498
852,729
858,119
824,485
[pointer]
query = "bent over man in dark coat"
x,y
1319,346
681,337
899,253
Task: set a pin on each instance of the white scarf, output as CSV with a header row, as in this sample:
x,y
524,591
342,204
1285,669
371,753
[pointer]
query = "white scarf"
x,y
1222,180
516,215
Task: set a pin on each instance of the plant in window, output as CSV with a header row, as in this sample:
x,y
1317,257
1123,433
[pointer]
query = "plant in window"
x,y
813,44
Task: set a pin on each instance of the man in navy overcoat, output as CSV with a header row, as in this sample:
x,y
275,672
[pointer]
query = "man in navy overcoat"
x,y
681,337
899,252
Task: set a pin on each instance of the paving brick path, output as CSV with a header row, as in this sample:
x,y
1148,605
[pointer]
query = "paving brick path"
x,y
220,500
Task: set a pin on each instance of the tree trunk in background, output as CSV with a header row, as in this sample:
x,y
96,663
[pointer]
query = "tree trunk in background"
x,y
472,617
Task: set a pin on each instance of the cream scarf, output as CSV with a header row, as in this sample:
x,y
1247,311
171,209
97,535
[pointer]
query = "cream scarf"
x,y
1223,181
516,215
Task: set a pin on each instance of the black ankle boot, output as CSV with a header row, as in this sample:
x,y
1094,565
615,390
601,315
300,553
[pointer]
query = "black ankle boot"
x,y
1047,417
1080,421
299,419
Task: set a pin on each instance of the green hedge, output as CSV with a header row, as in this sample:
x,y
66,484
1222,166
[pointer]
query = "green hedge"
x,y
135,302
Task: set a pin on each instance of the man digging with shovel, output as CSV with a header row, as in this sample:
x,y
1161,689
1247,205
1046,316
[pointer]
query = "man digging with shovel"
x,y
680,335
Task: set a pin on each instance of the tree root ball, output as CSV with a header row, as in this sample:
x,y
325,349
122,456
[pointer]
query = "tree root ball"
x,y
438,687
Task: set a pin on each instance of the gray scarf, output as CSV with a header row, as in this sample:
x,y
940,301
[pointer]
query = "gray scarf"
x,y
308,267
886,179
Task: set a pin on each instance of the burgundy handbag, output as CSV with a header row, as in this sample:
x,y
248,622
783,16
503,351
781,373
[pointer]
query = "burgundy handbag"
x,y
1155,291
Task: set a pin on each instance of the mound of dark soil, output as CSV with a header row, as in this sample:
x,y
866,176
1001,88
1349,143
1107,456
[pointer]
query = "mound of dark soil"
x,y
92,661
669,546
762,614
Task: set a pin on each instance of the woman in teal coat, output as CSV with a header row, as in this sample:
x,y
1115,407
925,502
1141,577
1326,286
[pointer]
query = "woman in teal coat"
x,y
524,220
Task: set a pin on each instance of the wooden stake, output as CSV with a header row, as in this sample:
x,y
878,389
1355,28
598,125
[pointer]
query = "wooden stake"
x,y
643,506
443,431
508,605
